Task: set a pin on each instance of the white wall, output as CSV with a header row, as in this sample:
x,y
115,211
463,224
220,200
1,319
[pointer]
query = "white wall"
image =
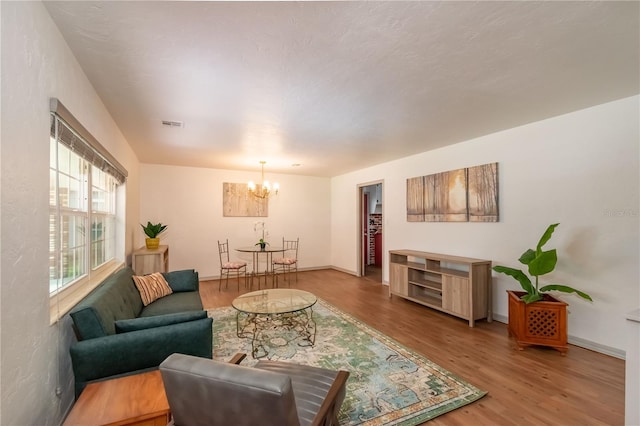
x,y
579,169
36,65
189,201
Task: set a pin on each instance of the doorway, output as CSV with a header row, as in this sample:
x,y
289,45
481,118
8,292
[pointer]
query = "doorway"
x,y
371,230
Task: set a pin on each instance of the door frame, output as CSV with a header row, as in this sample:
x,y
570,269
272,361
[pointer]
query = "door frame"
x,y
361,224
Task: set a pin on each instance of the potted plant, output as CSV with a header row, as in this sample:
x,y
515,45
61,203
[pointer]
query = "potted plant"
x,y
152,231
536,317
262,243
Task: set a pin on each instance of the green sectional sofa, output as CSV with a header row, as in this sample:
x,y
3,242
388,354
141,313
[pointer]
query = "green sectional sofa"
x,y
118,336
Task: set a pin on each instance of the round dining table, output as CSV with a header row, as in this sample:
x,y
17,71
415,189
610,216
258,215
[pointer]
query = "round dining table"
x,y
256,252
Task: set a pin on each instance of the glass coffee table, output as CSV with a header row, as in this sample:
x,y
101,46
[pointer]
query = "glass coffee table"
x,y
287,312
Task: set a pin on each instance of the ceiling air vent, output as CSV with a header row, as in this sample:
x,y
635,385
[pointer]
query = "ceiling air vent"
x,y
169,123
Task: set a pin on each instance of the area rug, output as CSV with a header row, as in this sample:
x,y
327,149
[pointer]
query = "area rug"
x,y
389,383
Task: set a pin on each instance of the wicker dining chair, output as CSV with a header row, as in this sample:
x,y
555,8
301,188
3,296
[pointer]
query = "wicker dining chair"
x,y
237,268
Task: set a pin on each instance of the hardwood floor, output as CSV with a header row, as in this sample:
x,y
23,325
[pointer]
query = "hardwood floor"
x,y
536,386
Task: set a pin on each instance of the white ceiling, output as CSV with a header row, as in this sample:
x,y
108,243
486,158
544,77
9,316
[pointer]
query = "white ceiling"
x,y
339,86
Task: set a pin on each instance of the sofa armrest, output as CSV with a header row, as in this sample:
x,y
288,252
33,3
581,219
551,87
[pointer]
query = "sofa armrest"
x,y
103,357
143,323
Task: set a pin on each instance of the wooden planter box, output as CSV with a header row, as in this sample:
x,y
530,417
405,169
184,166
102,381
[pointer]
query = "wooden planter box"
x,y
542,323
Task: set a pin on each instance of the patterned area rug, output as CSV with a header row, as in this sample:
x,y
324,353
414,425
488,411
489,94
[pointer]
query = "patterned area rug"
x,y
389,383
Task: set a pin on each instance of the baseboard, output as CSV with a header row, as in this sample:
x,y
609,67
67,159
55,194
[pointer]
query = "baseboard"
x,y
500,318
597,347
346,271
577,341
313,268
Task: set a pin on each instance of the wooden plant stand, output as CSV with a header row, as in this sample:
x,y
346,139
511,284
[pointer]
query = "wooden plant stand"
x,y
542,323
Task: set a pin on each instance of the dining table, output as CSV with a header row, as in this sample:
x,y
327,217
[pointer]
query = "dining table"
x,y
256,252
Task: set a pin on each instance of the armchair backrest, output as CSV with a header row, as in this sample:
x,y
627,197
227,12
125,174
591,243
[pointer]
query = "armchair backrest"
x,y
205,392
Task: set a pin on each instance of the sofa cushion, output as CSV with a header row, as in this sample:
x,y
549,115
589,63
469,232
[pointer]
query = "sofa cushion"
x,y
125,326
115,299
177,302
152,287
185,280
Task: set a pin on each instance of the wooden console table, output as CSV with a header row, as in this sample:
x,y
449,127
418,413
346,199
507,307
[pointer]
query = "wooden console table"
x,y
138,399
459,286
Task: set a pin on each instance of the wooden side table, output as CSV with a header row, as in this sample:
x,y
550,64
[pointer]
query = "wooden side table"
x,y
138,399
145,261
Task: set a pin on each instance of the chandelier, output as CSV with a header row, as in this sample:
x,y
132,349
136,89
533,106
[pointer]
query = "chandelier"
x,y
265,188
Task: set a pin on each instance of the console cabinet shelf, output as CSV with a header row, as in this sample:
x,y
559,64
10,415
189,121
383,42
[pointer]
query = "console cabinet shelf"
x,y
459,286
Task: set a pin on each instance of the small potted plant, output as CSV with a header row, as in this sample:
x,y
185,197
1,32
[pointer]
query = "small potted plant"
x,y
536,317
262,243
152,231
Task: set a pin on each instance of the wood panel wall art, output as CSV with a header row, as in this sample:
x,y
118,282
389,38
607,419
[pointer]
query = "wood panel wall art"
x,y
415,199
238,202
483,193
463,195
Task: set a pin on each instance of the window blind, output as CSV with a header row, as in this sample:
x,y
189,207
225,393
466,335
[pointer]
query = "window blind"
x,y
73,135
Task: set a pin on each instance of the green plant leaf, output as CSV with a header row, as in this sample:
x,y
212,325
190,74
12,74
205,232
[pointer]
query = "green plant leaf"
x,y
546,236
527,257
530,298
566,289
519,276
145,230
544,263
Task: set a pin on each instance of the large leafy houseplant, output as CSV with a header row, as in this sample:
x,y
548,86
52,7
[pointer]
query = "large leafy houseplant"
x,y
539,263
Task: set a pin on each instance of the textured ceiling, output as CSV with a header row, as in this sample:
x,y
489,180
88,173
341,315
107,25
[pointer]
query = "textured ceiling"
x,y
339,86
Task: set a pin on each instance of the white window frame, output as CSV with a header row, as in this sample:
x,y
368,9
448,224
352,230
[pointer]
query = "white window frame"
x,y
67,295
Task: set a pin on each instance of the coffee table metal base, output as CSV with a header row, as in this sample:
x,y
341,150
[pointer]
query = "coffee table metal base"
x,y
286,327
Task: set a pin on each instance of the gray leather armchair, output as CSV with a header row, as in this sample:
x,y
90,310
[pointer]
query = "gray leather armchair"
x,y
205,392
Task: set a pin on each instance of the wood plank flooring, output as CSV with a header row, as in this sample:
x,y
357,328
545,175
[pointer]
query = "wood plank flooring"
x,y
536,386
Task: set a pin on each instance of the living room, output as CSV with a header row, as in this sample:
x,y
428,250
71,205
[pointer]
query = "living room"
x,y
578,167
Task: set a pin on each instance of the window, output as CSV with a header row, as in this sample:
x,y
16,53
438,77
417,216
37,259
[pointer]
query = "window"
x,y
83,191
68,215
103,215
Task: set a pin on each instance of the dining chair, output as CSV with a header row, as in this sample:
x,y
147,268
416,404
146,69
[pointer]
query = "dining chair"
x,y
228,267
288,262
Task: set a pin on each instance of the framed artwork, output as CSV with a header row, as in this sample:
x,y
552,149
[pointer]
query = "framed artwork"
x,y
483,193
445,197
238,202
462,195
415,199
